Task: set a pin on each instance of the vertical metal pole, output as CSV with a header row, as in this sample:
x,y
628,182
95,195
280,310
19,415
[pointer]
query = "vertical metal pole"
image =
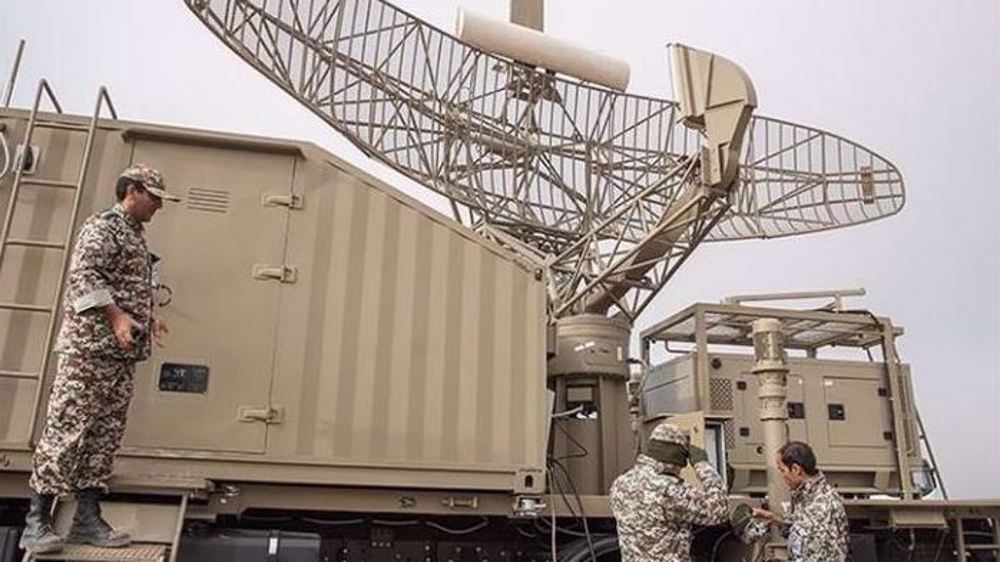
x,y
899,407
634,391
175,541
608,435
702,383
771,368
960,538
9,91
930,453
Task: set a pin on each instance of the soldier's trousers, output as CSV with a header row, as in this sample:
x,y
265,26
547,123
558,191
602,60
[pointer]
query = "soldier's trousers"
x,y
84,424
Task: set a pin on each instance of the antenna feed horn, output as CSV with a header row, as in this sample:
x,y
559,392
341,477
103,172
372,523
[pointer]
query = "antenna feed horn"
x,y
716,97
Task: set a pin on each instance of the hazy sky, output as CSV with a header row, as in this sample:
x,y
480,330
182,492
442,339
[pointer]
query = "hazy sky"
x,y
916,81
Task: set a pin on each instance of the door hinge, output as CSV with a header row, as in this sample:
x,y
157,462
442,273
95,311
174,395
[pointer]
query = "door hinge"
x,y
289,200
266,414
283,273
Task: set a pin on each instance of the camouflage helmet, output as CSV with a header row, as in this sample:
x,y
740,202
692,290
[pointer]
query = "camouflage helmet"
x,y
669,444
151,179
669,433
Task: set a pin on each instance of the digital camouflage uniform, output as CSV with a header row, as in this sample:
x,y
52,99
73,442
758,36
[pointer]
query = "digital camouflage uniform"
x,y
93,385
816,525
655,509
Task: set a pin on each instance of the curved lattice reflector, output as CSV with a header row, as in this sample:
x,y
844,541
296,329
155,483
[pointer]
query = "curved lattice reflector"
x,y
796,179
597,183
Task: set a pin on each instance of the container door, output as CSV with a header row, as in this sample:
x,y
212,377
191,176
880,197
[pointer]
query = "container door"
x,y
221,250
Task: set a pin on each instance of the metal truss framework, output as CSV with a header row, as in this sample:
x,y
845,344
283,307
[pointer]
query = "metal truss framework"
x,y
599,186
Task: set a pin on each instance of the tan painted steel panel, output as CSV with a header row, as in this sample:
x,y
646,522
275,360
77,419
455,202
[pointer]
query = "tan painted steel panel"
x,y
408,351
405,341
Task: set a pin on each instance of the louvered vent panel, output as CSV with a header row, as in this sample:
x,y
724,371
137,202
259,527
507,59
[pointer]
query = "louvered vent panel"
x,y
209,200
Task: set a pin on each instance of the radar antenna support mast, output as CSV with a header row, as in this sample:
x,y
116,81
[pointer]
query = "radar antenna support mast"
x,y
607,192
592,348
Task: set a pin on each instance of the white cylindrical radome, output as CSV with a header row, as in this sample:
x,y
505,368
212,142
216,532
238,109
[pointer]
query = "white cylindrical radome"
x,y
537,49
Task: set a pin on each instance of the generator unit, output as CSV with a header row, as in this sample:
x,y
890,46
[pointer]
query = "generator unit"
x,y
858,415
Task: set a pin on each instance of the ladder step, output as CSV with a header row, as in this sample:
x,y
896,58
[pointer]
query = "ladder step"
x,y
133,553
61,126
18,375
49,183
982,547
35,243
25,307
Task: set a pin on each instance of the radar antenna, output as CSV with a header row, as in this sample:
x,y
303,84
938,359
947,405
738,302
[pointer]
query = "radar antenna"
x,y
609,191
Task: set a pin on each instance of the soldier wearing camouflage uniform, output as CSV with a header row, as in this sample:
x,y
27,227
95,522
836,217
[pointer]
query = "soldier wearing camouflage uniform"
x,y
816,524
107,327
655,509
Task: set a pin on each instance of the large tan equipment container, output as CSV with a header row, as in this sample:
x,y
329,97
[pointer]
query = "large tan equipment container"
x,y
841,408
324,327
859,416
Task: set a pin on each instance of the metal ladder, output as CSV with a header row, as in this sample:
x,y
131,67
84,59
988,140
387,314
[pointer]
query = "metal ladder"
x,y
34,123
968,551
154,542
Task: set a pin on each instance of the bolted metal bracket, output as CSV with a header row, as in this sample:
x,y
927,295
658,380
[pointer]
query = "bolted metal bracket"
x,y
529,507
282,273
27,158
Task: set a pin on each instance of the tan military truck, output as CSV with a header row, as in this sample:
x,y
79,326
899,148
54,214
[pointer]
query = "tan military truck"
x,y
352,375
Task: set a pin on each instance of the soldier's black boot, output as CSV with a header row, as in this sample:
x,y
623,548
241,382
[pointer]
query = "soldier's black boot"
x,y
88,525
39,537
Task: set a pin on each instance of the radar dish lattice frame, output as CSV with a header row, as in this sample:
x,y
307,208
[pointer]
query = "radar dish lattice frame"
x,y
593,183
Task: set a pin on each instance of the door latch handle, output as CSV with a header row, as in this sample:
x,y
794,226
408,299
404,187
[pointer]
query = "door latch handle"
x,y
291,201
283,273
266,414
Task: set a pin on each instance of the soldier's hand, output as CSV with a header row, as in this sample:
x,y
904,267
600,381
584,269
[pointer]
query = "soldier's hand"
x,y
123,325
696,455
739,516
160,331
759,513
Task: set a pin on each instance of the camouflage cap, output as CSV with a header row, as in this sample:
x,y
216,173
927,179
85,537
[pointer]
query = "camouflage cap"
x,y
151,179
669,433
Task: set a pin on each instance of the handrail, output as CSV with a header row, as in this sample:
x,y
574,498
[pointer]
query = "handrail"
x,y
102,102
43,87
13,74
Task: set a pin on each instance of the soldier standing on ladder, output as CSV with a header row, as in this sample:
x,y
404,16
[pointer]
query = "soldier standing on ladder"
x,y
107,327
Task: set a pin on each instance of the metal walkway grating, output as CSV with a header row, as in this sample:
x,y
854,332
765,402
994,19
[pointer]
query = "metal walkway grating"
x,y
134,553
